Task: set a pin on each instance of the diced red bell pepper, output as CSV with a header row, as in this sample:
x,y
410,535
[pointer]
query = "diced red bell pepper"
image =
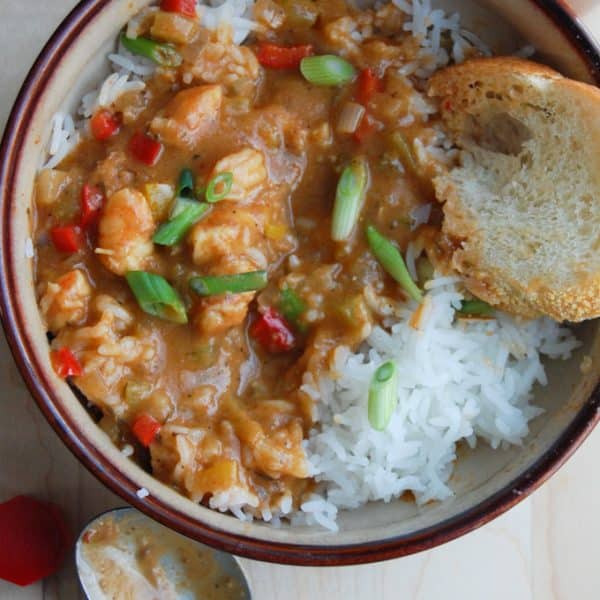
x,y
145,148
368,85
65,363
104,125
185,7
67,238
145,428
92,199
282,57
365,129
273,332
35,540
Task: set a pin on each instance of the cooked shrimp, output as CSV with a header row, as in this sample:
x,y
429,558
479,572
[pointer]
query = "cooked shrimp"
x,y
276,451
249,173
231,241
227,231
222,61
125,232
221,313
65,301
191,115
111,350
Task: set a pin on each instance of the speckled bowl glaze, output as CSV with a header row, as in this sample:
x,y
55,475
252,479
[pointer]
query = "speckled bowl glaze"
x,y
487,483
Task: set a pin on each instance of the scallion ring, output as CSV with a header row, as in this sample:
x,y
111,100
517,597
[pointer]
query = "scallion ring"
x,y
185,184
218,187
162,54
391,260
229,284
383,395
156,296
327,69
349,199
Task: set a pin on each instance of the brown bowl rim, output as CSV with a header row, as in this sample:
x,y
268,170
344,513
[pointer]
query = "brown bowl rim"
x,y
39,383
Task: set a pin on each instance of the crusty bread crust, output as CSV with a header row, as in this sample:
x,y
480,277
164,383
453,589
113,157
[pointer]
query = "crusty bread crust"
x,y
523,208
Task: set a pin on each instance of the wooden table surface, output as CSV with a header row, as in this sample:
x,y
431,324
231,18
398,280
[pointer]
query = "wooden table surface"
x,y
545,549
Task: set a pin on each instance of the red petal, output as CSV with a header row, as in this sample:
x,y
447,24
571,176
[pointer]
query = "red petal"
x,y
35,539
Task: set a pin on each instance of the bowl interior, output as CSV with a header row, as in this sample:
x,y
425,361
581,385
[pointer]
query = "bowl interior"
x,y
480,475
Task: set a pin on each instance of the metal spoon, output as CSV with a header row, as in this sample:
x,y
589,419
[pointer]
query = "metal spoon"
x,y
171,563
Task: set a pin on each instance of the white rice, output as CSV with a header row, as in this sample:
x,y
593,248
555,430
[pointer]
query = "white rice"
x,y
114,86
236,13
459,380
142,493
63,139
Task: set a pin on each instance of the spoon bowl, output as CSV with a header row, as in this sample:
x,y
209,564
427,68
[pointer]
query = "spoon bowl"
x,y
123,552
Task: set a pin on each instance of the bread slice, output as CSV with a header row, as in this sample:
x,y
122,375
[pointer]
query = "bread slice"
x,y
523,207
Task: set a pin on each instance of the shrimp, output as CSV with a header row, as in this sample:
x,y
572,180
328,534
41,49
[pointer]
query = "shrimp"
x,y
125,232
191,115
111,348
277,450
228,245
232,239
221,313
228,231
249,173
65,301
220,60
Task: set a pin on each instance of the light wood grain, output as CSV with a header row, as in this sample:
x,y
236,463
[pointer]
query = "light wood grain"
x,y
545,549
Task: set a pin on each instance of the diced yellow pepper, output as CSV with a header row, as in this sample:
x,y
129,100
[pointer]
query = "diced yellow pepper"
x,y
160,197
174,28
50,185
275,232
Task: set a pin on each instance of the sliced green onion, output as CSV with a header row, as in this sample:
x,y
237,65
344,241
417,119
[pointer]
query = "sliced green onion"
x,y
327,70
156,297
476,307
185,214
391,260
229,284
162,54
292,307
185,185
349,199
383,395
219,187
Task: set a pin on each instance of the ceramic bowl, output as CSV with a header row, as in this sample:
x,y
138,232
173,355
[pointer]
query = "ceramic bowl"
x,y
487,483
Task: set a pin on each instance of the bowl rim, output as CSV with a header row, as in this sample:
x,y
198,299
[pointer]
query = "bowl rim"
x,y
41,388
